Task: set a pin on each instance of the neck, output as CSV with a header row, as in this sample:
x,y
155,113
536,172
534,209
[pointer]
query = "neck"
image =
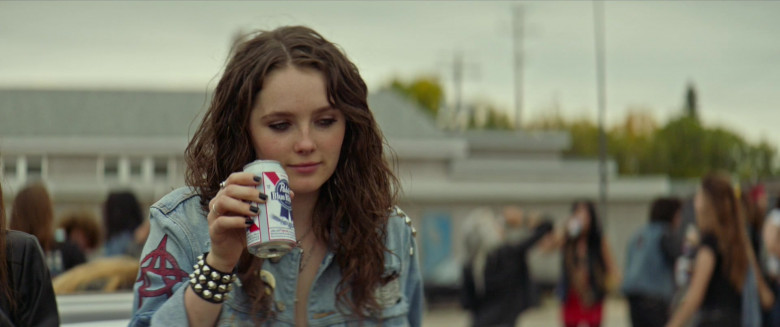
x,y
303,210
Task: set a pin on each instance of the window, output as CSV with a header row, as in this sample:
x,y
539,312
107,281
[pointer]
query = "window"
x,y
136,167
111,167
34,167
9,167
160,168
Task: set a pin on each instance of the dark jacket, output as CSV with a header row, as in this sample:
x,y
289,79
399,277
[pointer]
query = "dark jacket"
x,y
30,283
507,284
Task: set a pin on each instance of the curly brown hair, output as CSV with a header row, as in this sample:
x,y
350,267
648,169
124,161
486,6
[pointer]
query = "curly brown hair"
x,y
352,208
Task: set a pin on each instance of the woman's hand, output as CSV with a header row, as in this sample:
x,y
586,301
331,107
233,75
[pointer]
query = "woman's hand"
x,y
228,218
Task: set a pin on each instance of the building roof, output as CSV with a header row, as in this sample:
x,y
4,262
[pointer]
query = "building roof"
x,y
88,113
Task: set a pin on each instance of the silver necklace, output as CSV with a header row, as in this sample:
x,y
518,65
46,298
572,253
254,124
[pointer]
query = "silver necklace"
x,y
304,257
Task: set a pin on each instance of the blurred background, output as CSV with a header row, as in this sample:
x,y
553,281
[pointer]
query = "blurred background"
x,y
485,104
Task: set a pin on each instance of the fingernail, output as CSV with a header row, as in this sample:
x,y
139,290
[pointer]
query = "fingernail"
x,y
257,178
263,197
249,222
254,209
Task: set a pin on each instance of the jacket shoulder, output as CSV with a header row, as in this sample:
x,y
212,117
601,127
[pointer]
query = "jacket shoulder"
x,y
178,197
15,238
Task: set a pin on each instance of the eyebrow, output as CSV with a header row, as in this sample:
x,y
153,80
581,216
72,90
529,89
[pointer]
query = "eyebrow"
x,y
280,114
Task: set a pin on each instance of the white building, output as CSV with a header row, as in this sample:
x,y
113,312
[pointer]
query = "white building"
x,y
84,143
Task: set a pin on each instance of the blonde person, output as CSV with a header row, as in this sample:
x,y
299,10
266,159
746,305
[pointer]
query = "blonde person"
x,y
291,96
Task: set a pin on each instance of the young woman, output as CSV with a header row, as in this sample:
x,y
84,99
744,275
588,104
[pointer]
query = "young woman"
x,y
722,261
26,294
292,96
588,267
648,282
122,217
33,213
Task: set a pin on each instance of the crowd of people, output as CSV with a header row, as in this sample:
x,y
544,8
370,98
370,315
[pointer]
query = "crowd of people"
x,y
721,269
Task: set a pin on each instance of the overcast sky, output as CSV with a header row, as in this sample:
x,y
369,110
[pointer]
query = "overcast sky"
x,y
729,50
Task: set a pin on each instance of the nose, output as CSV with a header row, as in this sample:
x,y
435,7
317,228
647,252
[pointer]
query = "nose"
x,y
305,143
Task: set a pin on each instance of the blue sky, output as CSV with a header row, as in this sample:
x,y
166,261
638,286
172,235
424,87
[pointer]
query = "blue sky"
x,y
729,50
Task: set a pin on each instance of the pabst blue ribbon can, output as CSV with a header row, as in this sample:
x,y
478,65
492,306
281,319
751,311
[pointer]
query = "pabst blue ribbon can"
x,y
272,233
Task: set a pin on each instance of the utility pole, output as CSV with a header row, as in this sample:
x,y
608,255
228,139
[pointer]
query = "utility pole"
x,y
598,32
517,52
457,80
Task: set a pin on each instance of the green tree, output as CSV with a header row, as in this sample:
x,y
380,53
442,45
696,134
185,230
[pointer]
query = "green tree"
x,y
424,90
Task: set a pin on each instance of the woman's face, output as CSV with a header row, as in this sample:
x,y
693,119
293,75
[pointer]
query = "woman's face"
x,y
292,122
584,216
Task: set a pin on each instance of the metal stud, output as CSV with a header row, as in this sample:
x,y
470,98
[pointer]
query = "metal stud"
x,y
230,287
222,288
414,232
202,279
214,275
200,262
200,257
197,271
218,297
233,278
280,306
196,266
408,220
411,251
207,294
192,276
211,285
225,279
206,270
198,288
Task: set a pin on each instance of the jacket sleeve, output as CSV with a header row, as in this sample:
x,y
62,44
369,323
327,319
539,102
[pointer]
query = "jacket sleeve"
x,y
166,262
414,286
519,250
36,302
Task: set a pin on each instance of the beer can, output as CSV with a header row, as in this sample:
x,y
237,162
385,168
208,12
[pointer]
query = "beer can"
x,y
272,233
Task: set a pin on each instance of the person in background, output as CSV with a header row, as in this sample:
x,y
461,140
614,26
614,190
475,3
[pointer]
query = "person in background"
x,y
771,234
26,294
121,218
649,268
32,213
496,281
82,228
723,262
588,268
754,206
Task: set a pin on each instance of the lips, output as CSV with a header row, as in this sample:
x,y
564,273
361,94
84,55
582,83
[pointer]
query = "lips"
x,y
305,168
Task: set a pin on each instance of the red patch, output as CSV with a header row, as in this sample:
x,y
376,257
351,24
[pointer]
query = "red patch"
x,y
161,263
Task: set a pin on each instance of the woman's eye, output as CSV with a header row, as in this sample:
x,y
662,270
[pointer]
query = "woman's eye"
x,y
326,122
279,126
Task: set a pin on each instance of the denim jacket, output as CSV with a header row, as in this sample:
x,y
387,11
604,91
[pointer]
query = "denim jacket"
x,y
179,233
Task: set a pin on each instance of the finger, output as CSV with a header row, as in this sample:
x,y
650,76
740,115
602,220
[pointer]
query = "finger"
x,y
245,193
229,223
243,178
224,205
292,195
